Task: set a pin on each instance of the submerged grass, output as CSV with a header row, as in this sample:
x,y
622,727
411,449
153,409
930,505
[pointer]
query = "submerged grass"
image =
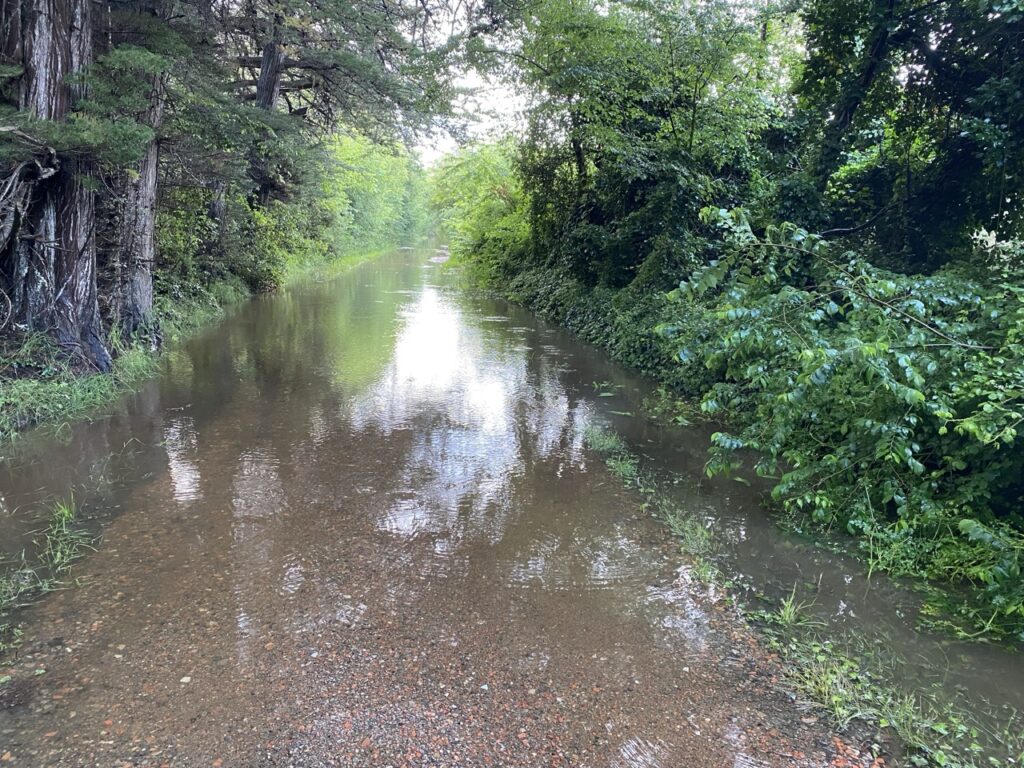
x,y
25,579
691,531
848,684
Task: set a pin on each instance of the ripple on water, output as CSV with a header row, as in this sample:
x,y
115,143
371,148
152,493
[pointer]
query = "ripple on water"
x,y
639,752
566,563
679,611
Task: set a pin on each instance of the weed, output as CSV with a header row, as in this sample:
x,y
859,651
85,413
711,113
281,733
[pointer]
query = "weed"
x,y
603,441
61,542
794,613
690,530
667,407
57,546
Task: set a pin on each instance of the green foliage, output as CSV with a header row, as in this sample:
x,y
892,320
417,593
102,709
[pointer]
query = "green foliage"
x,y
482,209
644,113
884,403
916,121
56,547
184,230
374,196
368,197
277,236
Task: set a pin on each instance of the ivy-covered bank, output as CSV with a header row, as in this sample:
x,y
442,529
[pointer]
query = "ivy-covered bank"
x,y
817,244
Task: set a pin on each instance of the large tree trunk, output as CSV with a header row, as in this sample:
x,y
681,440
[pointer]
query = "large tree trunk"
x,y
129,213
133,246
268,92
47,211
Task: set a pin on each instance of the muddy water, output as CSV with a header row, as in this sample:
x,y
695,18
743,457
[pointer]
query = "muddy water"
x,y
356,524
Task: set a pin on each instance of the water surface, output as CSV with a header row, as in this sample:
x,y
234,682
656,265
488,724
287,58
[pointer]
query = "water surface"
x,y
356,524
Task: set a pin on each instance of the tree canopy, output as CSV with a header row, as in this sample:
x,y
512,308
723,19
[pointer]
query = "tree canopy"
x,y
225,108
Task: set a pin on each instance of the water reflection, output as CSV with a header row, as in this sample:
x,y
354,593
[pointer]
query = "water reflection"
x,y
180,443
387,468
480,411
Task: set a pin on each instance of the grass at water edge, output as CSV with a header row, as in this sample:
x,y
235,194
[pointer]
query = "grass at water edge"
x,y
844,683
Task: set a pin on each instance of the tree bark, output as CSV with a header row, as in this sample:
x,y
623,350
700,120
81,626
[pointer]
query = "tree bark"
x,y
268,86
268,91
134,241
48,245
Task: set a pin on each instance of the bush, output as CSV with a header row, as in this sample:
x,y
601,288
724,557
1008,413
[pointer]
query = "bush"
x,y
888,404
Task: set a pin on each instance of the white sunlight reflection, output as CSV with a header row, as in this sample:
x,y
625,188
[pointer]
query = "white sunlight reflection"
x,y
180,442
433,366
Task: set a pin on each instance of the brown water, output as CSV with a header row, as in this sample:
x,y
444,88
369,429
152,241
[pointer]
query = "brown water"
x,y
356,524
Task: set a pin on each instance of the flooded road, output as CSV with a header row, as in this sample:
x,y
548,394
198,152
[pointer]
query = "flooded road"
x,y
356,524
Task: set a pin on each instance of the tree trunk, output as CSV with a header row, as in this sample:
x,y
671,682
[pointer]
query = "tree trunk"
x,y
268,87
48,246
129,213
134,241
880,44
268,91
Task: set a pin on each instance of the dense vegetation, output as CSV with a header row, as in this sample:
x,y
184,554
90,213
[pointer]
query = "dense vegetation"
x,y
160,158
807,218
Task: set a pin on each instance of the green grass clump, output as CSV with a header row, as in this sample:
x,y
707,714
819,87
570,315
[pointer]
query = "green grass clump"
x,y
603,441
793,612
39,384
22,580
851,683
856,686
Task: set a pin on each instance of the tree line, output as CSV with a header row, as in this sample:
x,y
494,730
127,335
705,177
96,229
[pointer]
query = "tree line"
x,y
211,124
805,219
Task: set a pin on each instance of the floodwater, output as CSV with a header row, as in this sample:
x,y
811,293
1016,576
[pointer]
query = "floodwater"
x,y
356,524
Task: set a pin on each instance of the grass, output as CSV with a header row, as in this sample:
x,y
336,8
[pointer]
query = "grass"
x,y
57,546
39,384
857,686
795,613
692,532
190,309
847,684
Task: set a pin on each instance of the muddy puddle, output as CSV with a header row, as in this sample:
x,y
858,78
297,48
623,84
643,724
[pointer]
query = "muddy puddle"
x,y
356,524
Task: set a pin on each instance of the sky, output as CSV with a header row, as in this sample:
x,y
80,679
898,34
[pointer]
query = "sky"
x,y
492,109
